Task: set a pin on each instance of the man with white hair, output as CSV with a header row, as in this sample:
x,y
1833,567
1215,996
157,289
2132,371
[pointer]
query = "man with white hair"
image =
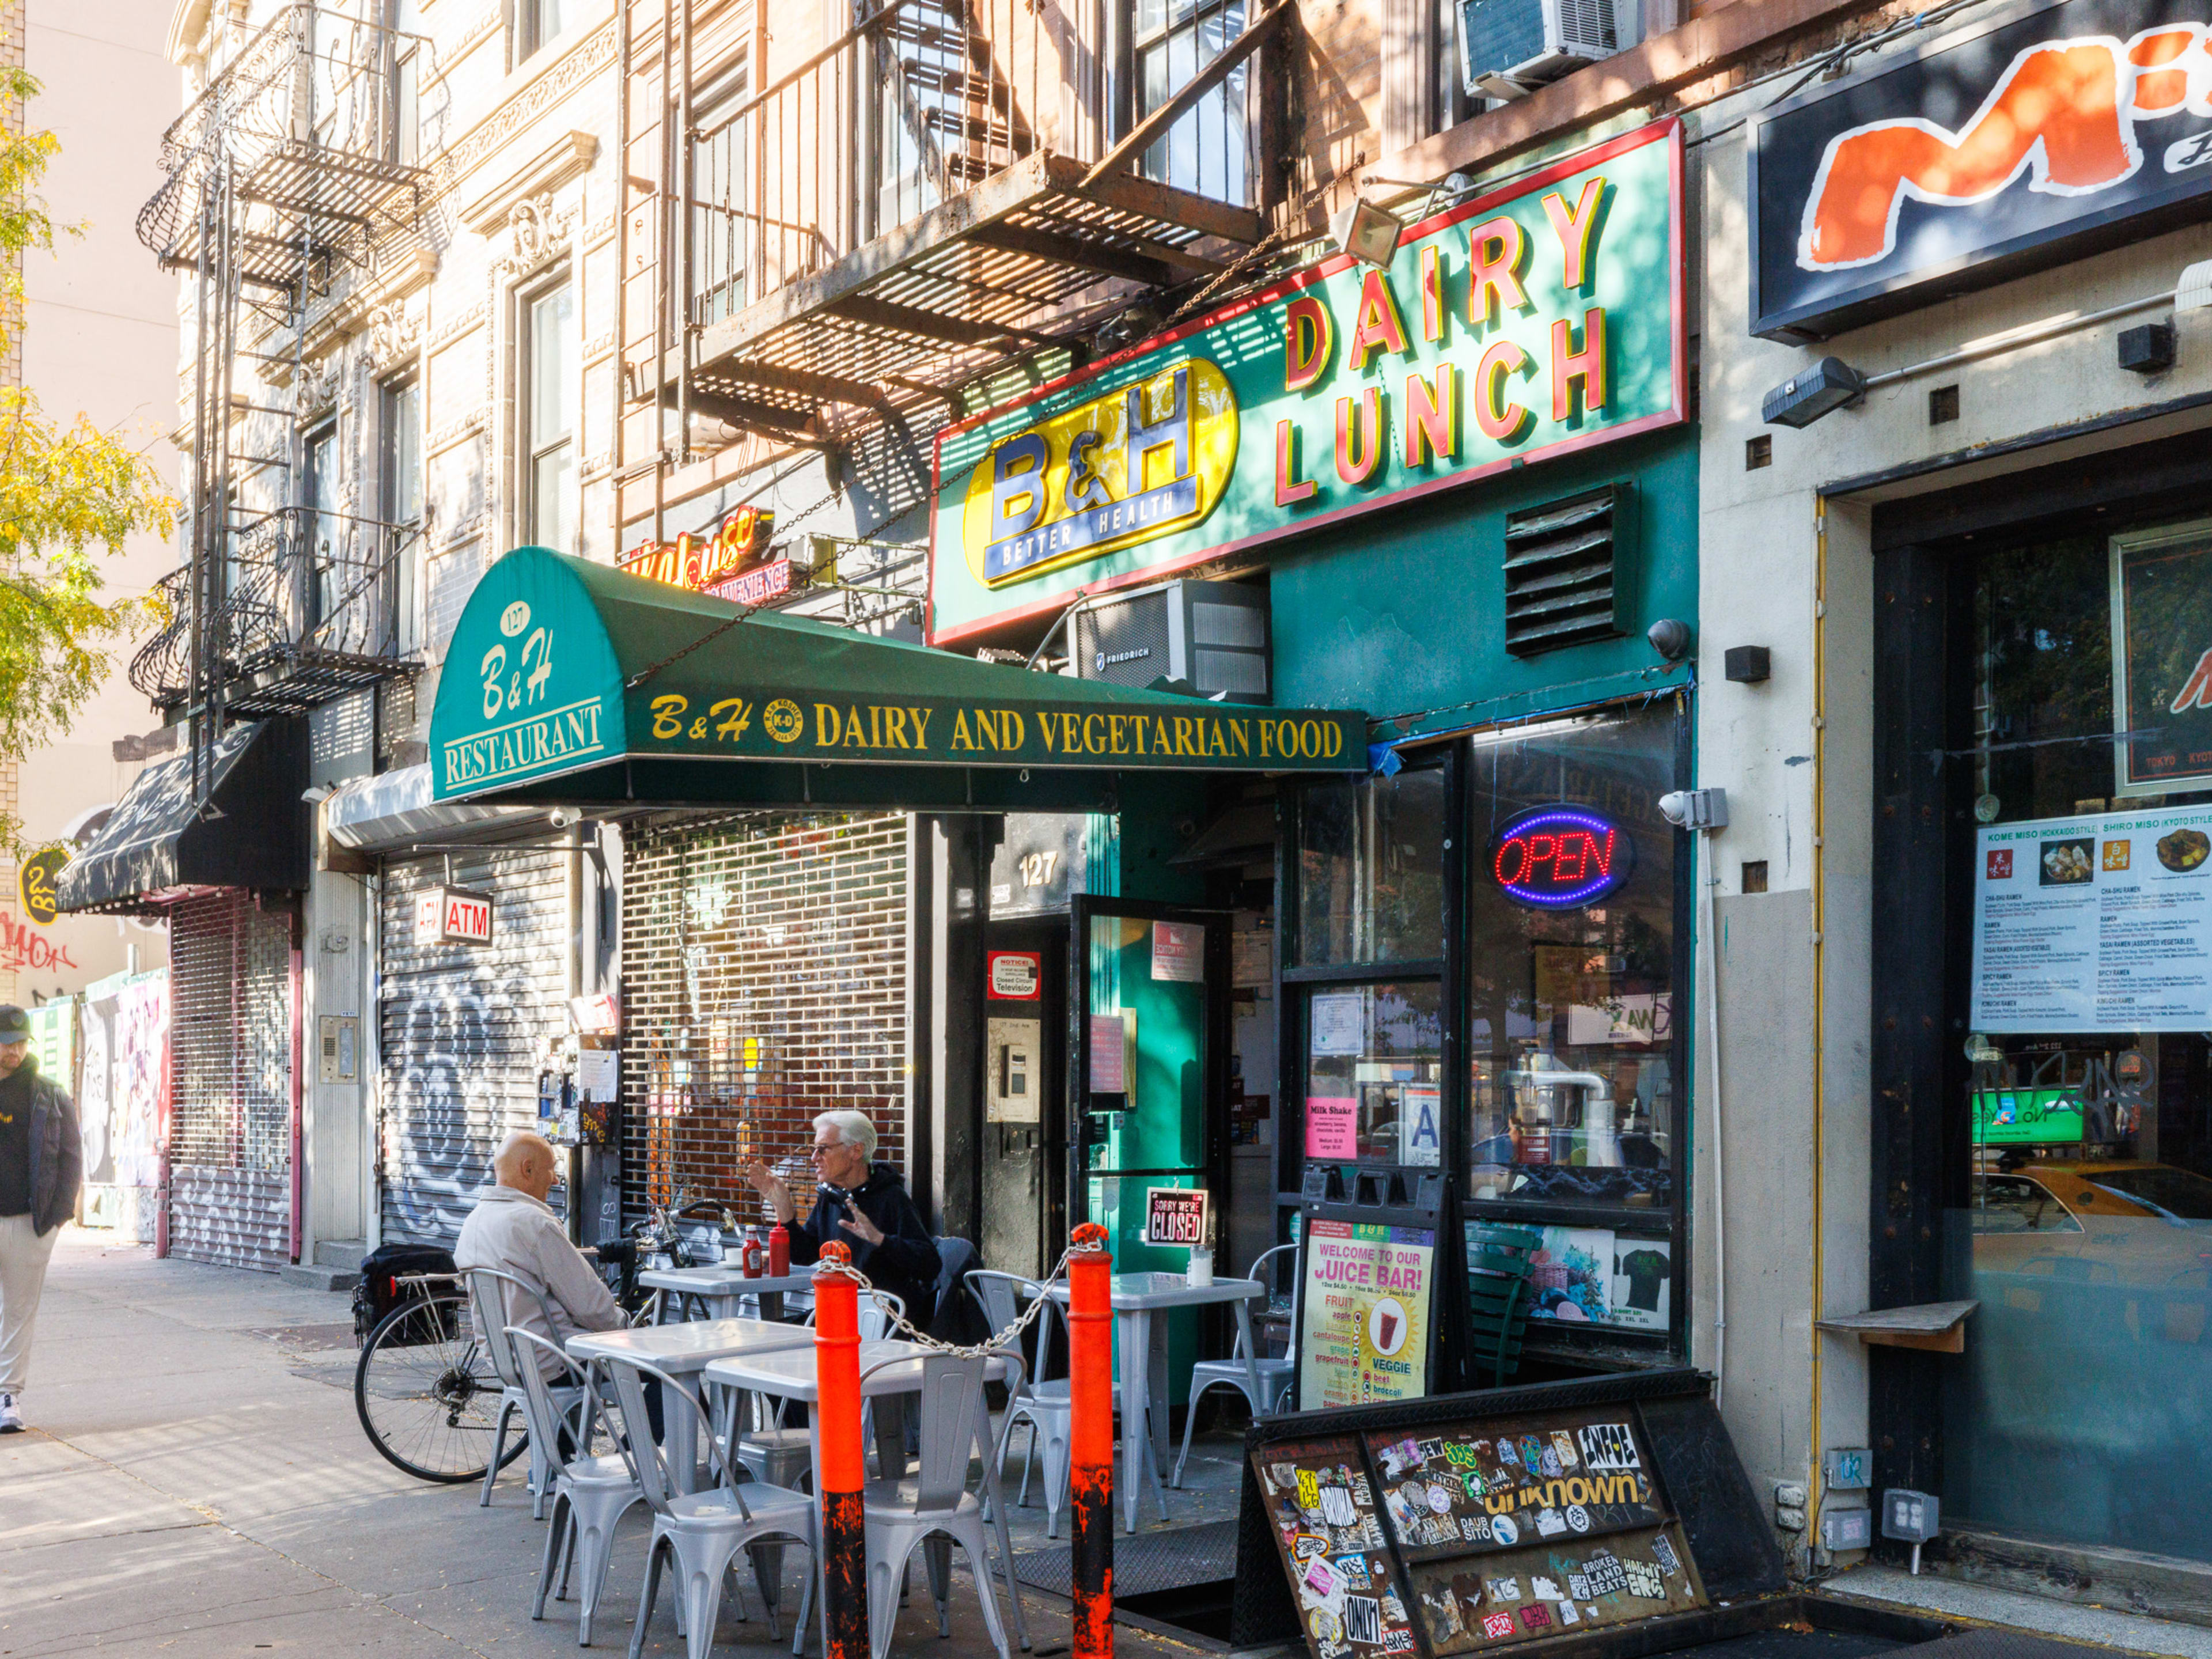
x,y
513,1230
865,1204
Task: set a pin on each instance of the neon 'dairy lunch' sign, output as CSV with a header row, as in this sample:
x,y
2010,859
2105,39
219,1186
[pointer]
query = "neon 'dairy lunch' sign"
x,y
1543,317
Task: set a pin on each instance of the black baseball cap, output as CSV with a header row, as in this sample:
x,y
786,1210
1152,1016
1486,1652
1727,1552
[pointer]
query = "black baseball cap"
x,y
14,1024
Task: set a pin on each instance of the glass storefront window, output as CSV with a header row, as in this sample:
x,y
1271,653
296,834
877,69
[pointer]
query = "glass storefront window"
x,y
1571,1015
1375,1074
1370,870
2083,1222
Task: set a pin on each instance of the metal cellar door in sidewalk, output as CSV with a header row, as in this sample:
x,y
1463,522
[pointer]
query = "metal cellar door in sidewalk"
x,y
233,1139
463,1031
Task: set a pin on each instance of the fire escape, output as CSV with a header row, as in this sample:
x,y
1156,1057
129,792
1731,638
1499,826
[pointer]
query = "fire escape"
x,y
285,179
949,185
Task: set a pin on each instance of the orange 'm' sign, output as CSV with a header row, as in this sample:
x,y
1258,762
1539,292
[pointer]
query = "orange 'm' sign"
x,y
2017,143
2063,114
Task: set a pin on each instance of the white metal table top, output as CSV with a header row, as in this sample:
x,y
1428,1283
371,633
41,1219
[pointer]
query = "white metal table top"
x,y
725,1281
690,1346
1140,1290
790,1374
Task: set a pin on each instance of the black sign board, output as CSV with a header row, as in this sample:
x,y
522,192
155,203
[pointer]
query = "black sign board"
x,y
1321,1507
1497,1483
2037,135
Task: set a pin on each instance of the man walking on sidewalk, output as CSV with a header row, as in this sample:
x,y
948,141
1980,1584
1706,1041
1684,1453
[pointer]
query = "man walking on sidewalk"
x,y
41,1163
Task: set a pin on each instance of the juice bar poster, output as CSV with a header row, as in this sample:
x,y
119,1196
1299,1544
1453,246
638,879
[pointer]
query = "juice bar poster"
x,y
1368,1291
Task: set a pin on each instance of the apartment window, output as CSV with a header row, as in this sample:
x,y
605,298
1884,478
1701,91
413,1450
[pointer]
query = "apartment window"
x,y
324,528
539,21
403,143
1208,148
401,489
721,202
550,404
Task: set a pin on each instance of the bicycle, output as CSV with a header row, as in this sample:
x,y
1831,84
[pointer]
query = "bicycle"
x,y
424,1387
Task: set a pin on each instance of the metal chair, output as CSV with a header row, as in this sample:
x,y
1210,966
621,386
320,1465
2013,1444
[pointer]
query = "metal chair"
x,y
783,1456
1046,1406
943,1511
489,1289
1499,1261
1277,1371
591,1494
703,1531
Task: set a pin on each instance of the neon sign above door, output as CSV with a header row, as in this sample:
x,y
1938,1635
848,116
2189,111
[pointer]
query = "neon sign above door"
x,y
1561,857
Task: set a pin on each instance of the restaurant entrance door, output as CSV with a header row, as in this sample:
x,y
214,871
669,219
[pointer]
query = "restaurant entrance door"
x,y
1148,1074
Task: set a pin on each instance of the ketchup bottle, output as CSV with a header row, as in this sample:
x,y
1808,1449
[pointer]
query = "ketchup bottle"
x,y
754,1257
779,1251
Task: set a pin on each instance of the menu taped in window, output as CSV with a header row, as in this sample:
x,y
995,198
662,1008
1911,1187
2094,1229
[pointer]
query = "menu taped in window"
x,y
2099,923
1321,1509
1367,1290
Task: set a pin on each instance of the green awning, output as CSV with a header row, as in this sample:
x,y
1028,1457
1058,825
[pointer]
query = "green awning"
x,y
570,683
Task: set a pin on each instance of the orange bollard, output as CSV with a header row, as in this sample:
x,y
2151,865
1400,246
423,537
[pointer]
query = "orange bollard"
x,y
1090,1439
844,1469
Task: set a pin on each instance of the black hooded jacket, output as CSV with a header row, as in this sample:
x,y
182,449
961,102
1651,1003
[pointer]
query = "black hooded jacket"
x,y
905,1263
54,1150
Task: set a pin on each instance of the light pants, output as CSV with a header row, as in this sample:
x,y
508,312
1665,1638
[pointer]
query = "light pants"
x,y
23,1258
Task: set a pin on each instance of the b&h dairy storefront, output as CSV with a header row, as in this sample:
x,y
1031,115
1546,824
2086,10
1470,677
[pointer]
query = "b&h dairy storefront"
x,y
1958,368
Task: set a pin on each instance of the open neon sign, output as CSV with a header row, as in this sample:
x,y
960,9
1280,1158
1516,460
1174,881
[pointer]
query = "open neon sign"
x,y
1561,857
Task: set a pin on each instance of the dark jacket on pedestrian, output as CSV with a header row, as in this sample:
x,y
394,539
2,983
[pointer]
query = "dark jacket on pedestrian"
x,y
53,1166
905,1263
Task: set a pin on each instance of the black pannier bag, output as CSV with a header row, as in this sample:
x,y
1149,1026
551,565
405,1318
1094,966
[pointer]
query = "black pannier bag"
x,y
379,1291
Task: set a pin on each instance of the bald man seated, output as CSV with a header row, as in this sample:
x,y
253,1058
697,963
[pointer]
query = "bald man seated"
x,y
513,1230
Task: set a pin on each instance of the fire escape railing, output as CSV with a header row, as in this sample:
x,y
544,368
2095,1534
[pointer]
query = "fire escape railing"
x,y
310,608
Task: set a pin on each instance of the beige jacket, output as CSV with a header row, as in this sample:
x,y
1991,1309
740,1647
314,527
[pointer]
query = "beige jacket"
x,y
514,1232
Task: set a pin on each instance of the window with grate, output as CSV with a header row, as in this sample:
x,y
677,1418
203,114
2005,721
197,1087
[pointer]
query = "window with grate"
x,y
764,974
1565,570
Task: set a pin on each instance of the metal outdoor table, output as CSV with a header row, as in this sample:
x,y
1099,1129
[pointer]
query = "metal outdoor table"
x,y
684,1351
1136,1298
790,1375
725,1289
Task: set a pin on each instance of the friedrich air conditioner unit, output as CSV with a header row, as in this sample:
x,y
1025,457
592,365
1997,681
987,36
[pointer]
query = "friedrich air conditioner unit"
x,y
1211,635
1507,46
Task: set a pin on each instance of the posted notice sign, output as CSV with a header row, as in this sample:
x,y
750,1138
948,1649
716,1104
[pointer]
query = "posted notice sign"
x,y
2101,923
1174,1215
1367,1289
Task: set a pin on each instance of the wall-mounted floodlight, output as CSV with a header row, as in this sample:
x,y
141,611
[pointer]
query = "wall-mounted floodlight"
x,y
1829,384
1369,234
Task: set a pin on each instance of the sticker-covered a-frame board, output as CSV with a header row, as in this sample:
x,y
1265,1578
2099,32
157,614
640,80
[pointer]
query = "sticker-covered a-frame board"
x,y
1470,1603
1497,1483
1321,1509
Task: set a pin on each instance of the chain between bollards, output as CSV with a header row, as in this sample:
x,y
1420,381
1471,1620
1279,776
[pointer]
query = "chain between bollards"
x,y
1090,1438
844,1469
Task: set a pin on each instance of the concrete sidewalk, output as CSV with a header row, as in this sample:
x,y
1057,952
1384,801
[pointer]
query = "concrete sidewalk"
x,y
195,1484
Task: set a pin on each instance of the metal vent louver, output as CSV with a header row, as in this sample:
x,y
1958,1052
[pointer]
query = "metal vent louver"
x,y
1566,571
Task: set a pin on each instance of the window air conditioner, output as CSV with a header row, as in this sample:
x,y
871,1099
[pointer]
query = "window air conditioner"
x,y
1211,636
1507,46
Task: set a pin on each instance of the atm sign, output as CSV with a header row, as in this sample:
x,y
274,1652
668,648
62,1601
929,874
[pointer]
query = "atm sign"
x,y
452,916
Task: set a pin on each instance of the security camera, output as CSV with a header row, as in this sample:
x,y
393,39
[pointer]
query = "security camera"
x,y
1695,809
1669,637
565,817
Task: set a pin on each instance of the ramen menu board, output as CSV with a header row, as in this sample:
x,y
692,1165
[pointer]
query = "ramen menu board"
x,y
1503,1529
1321,1507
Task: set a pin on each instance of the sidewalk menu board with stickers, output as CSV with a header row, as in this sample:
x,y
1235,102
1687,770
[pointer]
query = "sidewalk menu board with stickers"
x,y
1500,1529
1320,1507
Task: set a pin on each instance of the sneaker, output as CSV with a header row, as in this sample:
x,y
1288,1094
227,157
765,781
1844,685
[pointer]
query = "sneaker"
x,y
11,1415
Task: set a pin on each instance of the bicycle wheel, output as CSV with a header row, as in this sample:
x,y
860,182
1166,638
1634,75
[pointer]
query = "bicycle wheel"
x,y
426,1394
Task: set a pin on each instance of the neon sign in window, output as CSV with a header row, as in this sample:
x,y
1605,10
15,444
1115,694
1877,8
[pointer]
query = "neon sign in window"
x,y
1561,857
